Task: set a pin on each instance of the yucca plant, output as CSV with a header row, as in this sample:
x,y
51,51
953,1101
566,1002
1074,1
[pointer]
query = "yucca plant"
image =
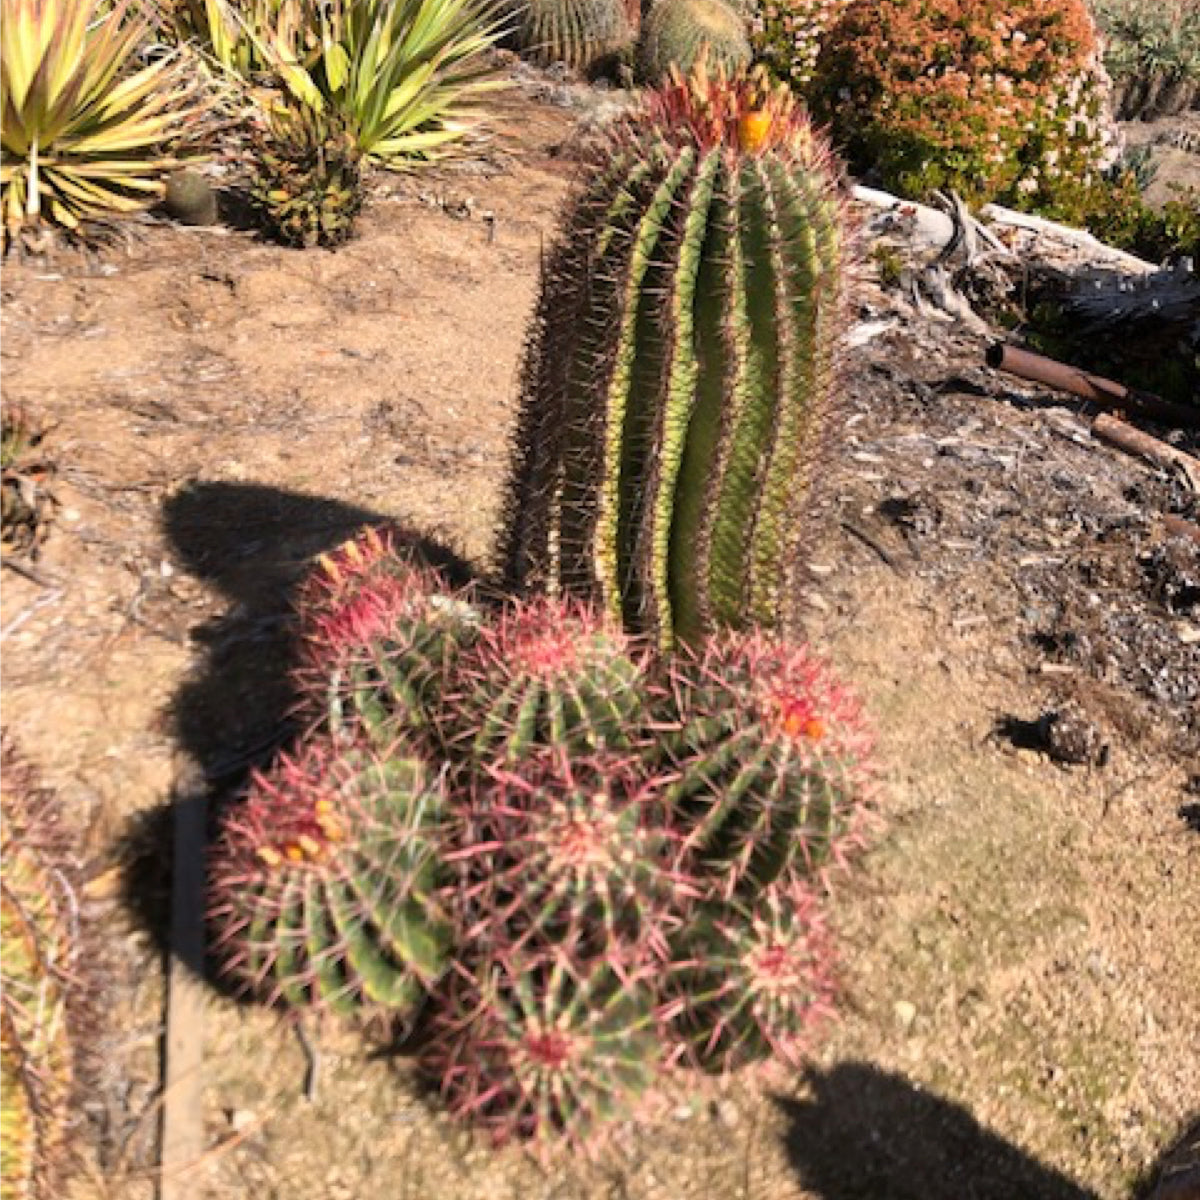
x,y
679,383
87,129
402,74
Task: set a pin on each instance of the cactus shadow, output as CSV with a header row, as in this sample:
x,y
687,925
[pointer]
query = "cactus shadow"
x,y
867,1134
253,544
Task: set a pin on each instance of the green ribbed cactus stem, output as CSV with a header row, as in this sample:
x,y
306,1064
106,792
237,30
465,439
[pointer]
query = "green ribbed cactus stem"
x,y
323,884
680,34
377,635
43,979
561,842
548,674
751,982
773,763
550,1041
581,33
679,380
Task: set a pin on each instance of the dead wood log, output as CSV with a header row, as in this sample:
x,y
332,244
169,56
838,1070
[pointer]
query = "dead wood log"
x,y
1134,441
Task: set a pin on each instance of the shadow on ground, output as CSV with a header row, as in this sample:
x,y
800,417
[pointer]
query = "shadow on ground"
x,y
254,544
868,1135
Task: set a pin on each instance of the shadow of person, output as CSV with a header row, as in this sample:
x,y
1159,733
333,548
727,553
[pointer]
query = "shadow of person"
x,y
233,713
865,1134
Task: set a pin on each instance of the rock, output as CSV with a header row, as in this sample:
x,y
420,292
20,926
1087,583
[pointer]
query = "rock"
x,y
906,1013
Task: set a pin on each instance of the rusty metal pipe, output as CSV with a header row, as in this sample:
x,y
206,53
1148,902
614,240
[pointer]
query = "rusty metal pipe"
x,y
1097,390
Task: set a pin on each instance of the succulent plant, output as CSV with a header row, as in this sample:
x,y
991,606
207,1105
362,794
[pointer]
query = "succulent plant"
x,y
678,385
681,34
580,33
546,1042
43,980
309,185
751,982
323,883
548,673
26,501
561,842
377,636
772,760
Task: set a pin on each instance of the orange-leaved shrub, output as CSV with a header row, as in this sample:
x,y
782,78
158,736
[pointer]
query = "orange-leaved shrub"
x,y
1002,100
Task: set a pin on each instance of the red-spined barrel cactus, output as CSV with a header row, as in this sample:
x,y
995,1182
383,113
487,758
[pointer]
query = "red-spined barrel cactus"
x,y
548,673
377,635
773,762
550,1041
44,984
324,883
558,843
751,982
679,383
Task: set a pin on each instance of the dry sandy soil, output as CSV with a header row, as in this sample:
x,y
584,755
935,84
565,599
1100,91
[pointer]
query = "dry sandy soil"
x,y
1021,977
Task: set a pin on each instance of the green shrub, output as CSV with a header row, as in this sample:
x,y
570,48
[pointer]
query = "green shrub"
x,y
1153,54
1001,101
789,35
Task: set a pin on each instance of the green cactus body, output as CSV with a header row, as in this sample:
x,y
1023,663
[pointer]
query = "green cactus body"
x,y
678,382
772,763
41,979
377,637
548,674
561,842
580,33
750,983
546,1042
681,34
323,884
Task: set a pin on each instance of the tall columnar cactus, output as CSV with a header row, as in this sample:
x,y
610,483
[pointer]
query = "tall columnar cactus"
x,y
549,673
377,636
773,763
680,34
561,842
42,983
548,1041
580,33
679,377
751,982
323,883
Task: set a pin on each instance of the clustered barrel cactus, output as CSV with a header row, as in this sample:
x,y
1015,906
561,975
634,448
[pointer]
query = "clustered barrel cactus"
x,y
591,831
679,383
587,862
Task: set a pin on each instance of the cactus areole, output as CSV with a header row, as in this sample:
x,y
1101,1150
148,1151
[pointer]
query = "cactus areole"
x,y
678,377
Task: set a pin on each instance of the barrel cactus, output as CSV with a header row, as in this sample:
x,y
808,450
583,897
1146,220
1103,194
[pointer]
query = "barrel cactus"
x,y
772,763
377,635
581,33
680,34
752,982
548,673
43,980
548,1041
679,378
324,883
562,842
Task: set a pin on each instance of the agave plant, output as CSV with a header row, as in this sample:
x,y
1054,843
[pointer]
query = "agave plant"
x,y
87,130
402,73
